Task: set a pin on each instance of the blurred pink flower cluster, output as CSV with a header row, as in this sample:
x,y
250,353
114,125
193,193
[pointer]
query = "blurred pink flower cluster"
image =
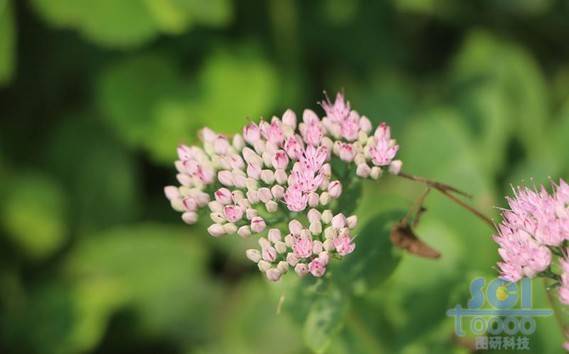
x,y
279,172
533,230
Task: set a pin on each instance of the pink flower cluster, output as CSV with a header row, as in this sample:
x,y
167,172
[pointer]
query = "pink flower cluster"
x,y
280,170
536,224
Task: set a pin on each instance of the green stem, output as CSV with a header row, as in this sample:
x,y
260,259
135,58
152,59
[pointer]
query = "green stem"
x,y
556,310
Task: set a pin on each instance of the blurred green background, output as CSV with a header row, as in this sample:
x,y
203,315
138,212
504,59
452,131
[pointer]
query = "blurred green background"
x,y
96,94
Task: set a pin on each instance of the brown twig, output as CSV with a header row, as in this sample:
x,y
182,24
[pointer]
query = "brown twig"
x,y
447,191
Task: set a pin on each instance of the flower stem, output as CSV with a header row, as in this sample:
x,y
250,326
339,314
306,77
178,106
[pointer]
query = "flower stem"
x,y
447,191
556,311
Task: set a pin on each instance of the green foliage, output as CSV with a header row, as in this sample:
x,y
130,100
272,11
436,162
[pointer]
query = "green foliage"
x,y
34,215
7,42
131,23
97,94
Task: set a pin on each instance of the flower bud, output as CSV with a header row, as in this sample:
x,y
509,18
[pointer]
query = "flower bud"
x,y
327,216
281,176
375,172
316,247
171,192
352,221
324,198
301,269
265,194
269,254
289,118
190,217
225,178
292,259
295,227
281,247
232,213
363,170
216,230
282,267
313,215
313,200
316,228
244,231
335,189
264,265
223,196
277,192
254,255
395,167
215,206
230,228
274,235
271,206
257,224
273,274
267,176
338,221
217,218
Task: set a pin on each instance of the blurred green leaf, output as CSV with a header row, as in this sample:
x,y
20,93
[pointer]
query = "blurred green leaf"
x,y
519,78
374,259
131,23
160,271
7,42
34,215
325,320
100,176
234,87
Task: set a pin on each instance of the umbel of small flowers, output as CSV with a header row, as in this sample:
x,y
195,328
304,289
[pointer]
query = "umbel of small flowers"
x,y
276,181
534,234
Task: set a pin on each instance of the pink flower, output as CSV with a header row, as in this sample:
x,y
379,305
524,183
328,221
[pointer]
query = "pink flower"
x,y
295,199
337,111
335,189
251,133
302,246
344,245
223,195
384,148
280,160
258,224
317,268
232,213
293,146
272,131
347,152
350,127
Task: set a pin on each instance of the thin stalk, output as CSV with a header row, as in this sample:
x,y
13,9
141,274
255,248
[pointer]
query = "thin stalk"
x,y
447,191
556,311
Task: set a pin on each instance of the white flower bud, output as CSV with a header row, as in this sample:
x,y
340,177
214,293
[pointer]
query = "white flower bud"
x,y
292,259
271,206
395,167
264,265
316,247
267,176
281,247
244,231
316,228
230,228
282,267
216,230
301,269
190,217
273,274
254,255
274,235
375,172
352,221
324,198
327,216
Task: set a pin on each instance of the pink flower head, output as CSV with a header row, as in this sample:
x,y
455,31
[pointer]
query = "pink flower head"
x,y
293,146
337,111
280,160
295,199
344,245
251,133
302,246
384,149
233,213
317,267
273,131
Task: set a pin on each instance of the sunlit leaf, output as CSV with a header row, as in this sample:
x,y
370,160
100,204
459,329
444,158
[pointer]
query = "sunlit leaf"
x,y
34,215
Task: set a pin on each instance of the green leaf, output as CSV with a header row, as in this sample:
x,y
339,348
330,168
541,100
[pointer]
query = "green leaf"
x,y
374,259
234,87
7,42
101,196
158,269
34,215
325,320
